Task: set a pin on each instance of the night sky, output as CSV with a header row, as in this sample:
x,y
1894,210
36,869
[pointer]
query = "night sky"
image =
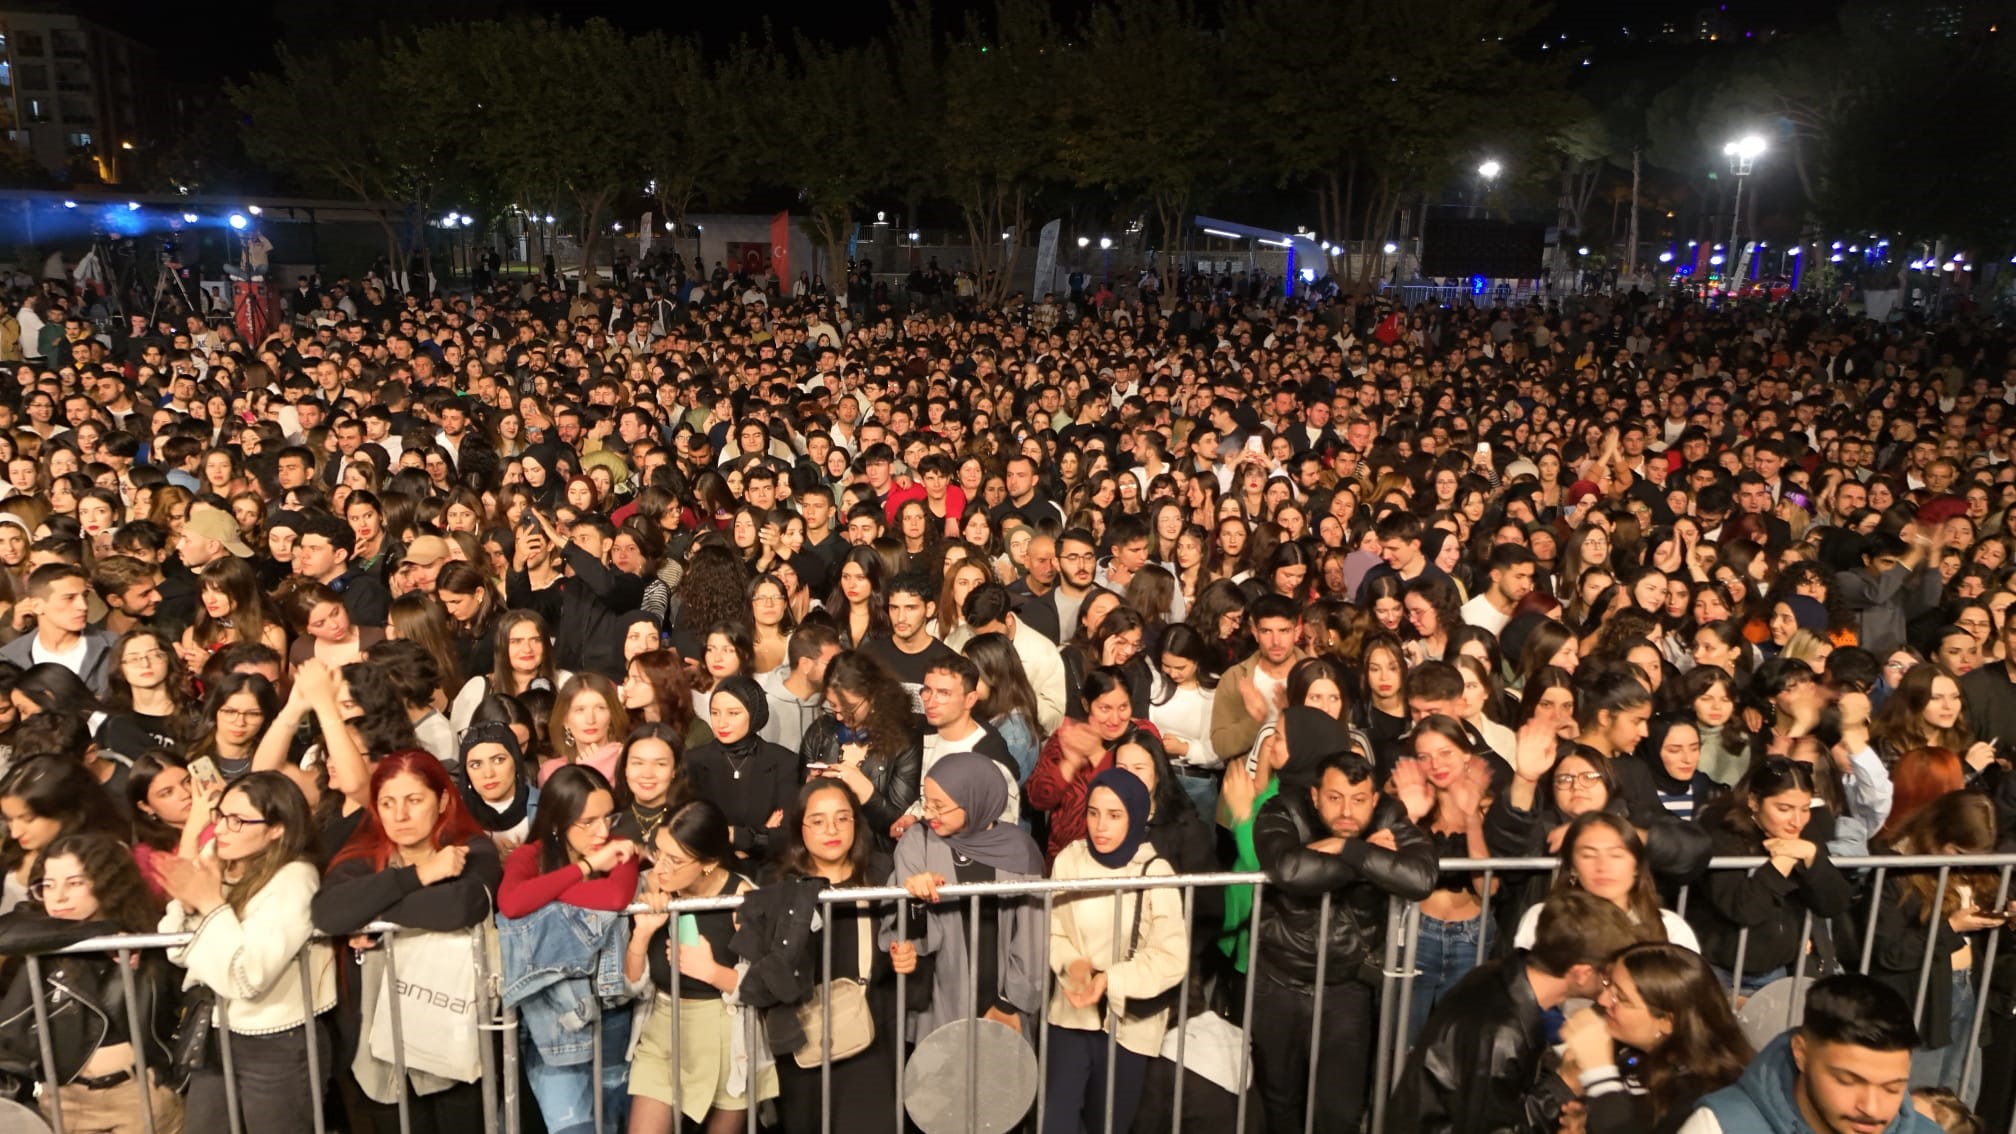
x,y
232,39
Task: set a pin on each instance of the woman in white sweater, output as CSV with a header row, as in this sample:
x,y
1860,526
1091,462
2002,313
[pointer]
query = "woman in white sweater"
x,y
1148,957
248,906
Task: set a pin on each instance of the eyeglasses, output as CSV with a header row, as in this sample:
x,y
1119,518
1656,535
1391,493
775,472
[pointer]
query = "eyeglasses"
x,y
47,888
932,811
597,822
1567,781
237,823
148,657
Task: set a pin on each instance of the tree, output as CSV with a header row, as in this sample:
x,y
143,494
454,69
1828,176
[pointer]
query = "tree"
x,y
830,132
1147,119
973,135
541,128
351,119
697,148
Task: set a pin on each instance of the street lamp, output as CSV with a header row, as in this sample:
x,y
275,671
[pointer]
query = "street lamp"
x,y
1488,172
1083,241
1742,154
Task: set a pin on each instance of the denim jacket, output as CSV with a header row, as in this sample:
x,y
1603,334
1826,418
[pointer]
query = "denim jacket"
x,y
562,966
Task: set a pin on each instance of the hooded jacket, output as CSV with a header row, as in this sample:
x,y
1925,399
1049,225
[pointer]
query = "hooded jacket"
x,y
1763,1101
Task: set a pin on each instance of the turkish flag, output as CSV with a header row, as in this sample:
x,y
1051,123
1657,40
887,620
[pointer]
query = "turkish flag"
x,y
780,250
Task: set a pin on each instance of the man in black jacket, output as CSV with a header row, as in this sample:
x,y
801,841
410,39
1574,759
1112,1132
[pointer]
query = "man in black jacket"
x,y
1481,1065
584,607
1330,833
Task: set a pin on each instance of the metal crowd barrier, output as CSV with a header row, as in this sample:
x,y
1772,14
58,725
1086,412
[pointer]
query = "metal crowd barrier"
x,y
499,1086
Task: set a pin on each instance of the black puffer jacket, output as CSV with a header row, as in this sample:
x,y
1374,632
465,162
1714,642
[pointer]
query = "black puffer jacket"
x,y
898,781
1361,880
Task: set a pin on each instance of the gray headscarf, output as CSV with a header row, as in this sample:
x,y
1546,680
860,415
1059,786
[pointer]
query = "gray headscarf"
x,y
974,783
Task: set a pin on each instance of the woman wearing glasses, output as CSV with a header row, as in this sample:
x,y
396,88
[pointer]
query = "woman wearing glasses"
x,y
570,859
148,697
91,879
692,858
247,904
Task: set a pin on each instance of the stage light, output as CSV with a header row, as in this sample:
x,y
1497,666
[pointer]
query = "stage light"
x,y
238,221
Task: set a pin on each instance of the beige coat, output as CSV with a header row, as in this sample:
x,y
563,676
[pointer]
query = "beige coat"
x,y
1081,925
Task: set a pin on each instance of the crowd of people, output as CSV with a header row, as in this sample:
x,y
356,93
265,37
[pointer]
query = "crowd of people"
x,y
511,609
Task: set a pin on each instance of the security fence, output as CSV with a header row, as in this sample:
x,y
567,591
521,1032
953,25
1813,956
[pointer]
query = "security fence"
x,y
500,1056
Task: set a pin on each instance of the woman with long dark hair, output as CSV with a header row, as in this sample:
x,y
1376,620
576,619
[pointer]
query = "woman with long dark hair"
x,y
149,700
1078,751
825,840
251,904
1661,1001
45,798
421,861
1765,816
571,858
648,782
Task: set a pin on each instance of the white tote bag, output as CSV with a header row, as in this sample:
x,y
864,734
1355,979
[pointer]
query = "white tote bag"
x,y
440,1009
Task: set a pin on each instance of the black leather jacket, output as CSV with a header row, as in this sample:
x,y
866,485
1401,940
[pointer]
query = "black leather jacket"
x,y
898,781
1361,880
1482,1064
84,996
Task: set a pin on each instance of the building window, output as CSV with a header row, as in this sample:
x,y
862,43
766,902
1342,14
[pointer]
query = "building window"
x,y
78,140
30,43
34,76
36,110
6,73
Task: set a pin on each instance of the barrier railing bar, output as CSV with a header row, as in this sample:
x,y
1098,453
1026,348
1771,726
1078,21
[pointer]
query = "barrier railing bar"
x,y
39,996
486,1058
398,1036
129,984
1799,970
1043,1018
1246,1018
1410,959
1316,1015
973,1012
1183,1010
1383,1047
1112,1012
1932,919
1969,1061
825,1021
1875,905
903,1011
223,1034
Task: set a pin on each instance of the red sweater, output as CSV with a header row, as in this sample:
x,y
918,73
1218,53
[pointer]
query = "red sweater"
x,y
1049,790
525,889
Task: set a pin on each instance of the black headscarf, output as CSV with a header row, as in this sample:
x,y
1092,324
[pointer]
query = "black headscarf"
x,y
1133,795
487,815
1312,736
745,690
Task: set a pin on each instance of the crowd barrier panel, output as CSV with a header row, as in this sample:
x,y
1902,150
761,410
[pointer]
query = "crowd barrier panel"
x,y
499,1080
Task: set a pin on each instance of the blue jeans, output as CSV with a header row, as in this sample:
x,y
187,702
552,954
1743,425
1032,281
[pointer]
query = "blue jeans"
x,y
566,1093
1754,980
1446,954
1203,791
1939,1061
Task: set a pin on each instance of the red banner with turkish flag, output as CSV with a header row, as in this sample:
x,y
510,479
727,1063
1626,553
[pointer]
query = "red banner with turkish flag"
x,y
780,250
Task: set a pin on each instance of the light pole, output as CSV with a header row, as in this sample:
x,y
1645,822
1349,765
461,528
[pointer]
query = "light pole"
x,y
1489,171
1106,246
1742,154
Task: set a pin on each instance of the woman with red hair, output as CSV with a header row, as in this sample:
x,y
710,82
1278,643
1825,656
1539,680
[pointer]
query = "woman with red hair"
x,y
421,860
1921,776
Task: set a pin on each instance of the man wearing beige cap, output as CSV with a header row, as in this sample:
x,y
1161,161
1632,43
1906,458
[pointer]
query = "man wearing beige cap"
x,y
419,566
